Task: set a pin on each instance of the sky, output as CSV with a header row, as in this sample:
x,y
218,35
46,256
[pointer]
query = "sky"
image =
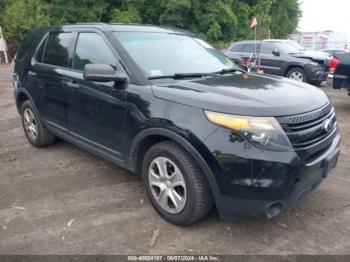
x,y
320,15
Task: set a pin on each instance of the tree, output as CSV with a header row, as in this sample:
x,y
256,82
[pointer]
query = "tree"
x,y
76,11
215,20
127,12
3,4
21,16
285,16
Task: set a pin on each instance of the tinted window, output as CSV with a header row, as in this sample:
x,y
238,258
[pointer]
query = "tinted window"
x,y
57,49
267,48
40,53
160,54
249,48
236,48
92,49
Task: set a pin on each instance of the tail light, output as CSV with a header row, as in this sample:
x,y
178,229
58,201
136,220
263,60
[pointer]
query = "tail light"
x,y
333,65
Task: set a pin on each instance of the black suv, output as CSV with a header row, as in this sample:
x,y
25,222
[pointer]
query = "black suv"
x,y
283,59
169,107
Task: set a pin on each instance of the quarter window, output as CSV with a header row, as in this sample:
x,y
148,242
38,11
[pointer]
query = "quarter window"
x,y
92,49
57,49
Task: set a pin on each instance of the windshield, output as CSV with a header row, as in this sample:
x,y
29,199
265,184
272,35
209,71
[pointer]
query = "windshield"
x,y
296,45
162,54
287,48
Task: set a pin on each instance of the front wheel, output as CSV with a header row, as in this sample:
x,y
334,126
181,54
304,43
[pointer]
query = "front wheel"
x,y
297,74
175,184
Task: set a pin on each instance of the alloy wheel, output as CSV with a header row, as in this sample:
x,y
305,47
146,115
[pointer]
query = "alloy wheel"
x,y
30,124
167,185
296,75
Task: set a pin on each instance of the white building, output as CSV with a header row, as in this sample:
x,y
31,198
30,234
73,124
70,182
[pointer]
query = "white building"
x,y
321,40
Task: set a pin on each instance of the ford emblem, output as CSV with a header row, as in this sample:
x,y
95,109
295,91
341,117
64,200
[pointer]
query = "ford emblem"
x,y
329,125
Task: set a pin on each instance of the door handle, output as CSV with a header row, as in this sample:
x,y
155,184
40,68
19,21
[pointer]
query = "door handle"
x,y
73,85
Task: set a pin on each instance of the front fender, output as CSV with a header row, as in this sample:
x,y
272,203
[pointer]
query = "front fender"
x,y
137,142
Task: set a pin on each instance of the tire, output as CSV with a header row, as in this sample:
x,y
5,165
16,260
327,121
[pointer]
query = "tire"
x,y
193,188
316,83
34,130
297,74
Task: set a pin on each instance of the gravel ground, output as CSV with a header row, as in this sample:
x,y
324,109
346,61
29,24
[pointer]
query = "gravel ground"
x,y
63,200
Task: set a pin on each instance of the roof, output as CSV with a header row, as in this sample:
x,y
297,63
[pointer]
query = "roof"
x,y
128,28
277,40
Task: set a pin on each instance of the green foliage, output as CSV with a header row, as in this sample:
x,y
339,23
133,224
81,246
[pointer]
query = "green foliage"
x,y
130,15
21,16
74,11
218,21
285,17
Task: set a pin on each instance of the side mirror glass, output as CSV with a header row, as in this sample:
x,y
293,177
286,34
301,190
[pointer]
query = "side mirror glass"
x,y
276,52
103,73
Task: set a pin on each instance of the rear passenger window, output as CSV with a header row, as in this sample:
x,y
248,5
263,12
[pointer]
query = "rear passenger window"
x,y
249,48
40,53
92,49
57,49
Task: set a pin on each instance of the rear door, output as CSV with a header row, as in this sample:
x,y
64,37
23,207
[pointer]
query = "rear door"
x,y
51,60
246,52
96,109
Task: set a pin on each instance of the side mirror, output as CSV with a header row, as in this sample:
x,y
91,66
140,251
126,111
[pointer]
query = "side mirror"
x,y
276,52
103,73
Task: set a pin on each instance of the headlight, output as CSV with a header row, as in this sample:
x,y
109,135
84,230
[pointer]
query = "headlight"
x,y
263,132
313,63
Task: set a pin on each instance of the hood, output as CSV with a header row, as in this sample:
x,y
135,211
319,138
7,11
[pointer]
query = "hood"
x,y
257,95
314,55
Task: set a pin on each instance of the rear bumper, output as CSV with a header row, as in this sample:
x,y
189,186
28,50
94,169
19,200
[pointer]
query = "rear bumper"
x,y
252,188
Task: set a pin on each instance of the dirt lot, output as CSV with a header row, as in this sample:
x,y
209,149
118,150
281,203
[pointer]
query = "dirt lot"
x,y
62,200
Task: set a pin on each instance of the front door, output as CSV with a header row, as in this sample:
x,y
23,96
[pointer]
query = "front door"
x,y
270,63
96,110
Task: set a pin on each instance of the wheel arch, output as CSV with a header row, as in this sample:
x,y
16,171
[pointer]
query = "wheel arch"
x,y
291,66
144,140
21,96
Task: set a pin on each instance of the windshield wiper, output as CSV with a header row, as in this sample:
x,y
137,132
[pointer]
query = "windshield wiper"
x,y
181,75
186,75
229,70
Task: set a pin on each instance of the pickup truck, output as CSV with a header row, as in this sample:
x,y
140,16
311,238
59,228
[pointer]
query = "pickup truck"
x,y
341,67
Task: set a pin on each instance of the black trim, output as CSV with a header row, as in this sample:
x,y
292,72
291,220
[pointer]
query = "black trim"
x,y
88,145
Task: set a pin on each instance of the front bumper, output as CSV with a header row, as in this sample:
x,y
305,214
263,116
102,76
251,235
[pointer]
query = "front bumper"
x,y
316,73
256,184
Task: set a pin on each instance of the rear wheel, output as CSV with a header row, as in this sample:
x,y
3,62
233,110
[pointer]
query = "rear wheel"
x,y
34,130
297,74
175,184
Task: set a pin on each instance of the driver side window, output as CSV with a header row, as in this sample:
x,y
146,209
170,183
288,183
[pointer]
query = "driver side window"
x,y
92,49
267,48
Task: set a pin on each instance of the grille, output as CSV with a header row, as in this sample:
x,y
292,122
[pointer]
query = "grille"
x,y
308,133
